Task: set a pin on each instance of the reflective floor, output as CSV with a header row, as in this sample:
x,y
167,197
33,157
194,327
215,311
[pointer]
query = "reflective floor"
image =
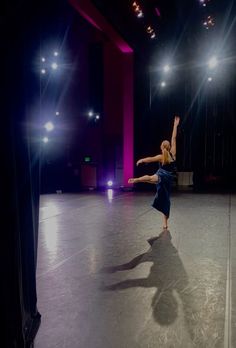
x,y
101,285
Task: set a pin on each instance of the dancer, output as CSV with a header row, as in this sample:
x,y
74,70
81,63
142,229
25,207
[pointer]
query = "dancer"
x,y
164,176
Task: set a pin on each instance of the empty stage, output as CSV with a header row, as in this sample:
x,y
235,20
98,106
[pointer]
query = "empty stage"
x,y
101,285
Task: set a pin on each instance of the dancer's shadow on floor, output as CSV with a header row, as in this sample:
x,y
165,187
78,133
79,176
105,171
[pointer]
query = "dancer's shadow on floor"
x,y
167,275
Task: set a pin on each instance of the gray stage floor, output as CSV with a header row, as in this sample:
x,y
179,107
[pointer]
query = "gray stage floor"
x,y
100,284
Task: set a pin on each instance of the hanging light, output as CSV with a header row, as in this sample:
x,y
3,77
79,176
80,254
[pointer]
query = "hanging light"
x,y
45,140
213,62
209,22
49,126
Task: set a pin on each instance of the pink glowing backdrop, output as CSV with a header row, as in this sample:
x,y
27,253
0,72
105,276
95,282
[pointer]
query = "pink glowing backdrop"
x,y
94,17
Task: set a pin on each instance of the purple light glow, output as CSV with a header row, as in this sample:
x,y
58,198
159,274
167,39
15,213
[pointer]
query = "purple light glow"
x,y
94,17
110,183
158,12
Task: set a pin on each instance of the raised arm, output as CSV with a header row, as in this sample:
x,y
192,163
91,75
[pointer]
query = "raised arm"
x,y
174,134
157,158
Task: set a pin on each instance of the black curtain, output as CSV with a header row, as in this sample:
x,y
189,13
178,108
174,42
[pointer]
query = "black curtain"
x,y
20,170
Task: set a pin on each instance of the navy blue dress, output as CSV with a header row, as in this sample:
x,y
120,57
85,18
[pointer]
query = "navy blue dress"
x,y
166,173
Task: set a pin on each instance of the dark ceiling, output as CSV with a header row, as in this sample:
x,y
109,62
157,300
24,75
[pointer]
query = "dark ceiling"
x,y
179,21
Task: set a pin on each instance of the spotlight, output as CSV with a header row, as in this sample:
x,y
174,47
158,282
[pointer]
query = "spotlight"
x,y
90,114
166,68
43,71
45,140
57,113
110,183
56,53
49,126
151,32
209,22
203,2
163,84
97,117
54,66
213,62
209,79
43,59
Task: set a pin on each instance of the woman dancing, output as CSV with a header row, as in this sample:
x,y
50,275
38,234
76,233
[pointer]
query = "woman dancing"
x,y
164,176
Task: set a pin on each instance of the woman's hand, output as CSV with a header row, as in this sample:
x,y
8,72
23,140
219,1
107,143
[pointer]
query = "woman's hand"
x,y
139,162
176,121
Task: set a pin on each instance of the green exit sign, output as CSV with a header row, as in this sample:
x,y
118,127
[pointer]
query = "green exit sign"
x,y
87,159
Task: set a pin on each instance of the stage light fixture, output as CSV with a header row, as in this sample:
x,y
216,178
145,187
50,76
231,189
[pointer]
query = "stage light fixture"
x,y
137,9
90,114
110,183
203,2
54,66
49,126
151,32
163,84
209,79
166,68
209,22
97,117
43,59
213,62
45,140
57,113
56,53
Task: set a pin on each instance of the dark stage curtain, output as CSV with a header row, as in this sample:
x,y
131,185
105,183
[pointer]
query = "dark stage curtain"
x,y
20,171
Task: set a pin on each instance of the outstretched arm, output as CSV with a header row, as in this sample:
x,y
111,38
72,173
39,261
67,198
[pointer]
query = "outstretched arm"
x,y
157,158
174,134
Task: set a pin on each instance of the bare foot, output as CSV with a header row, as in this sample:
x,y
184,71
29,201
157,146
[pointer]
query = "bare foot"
x,y
131,181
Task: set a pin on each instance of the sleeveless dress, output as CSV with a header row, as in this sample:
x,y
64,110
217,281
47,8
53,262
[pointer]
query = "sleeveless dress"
x,y
166,174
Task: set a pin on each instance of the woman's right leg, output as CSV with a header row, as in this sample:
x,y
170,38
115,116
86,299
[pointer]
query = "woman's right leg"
x,y
150,179
165,219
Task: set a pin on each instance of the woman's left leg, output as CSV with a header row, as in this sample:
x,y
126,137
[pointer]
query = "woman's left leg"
x,y
150,179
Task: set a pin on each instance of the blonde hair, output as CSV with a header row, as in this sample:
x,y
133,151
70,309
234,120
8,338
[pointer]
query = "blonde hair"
x,y
165,146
